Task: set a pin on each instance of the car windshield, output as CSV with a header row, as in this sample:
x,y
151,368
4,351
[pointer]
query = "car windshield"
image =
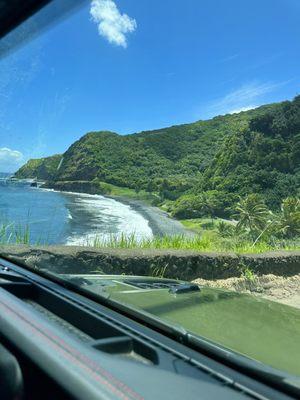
x,y
150,155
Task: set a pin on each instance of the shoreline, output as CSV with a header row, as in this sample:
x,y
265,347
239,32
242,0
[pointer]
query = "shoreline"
x,y
158,220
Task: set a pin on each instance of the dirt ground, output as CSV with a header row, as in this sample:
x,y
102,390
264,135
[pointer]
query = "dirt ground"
x,y
277,288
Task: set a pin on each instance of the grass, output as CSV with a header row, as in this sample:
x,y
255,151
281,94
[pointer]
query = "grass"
x,y
200,225
14,234
207,241
127,193
210,242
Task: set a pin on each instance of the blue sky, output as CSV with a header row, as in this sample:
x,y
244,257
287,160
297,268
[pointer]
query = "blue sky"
x,y
133,65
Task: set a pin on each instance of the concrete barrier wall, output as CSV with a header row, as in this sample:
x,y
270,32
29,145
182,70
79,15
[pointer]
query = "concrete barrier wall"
x,y
184,265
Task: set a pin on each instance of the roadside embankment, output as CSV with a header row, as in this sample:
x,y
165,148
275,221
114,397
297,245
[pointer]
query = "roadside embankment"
x,y
185,265
284,289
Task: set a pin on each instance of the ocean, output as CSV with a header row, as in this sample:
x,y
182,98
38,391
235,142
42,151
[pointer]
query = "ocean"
x,y
67,218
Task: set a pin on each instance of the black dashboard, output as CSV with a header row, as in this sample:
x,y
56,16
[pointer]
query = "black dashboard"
x,y
65,346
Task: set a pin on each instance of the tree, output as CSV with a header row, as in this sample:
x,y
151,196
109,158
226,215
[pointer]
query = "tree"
x,y
252,214
289,220
163,189
225,229
206,205
150,186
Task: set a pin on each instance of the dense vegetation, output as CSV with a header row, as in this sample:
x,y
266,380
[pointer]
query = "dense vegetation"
x,y
40,168
193,170
263,157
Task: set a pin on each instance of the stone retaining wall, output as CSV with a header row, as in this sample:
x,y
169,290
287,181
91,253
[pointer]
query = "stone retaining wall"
x,y
184,265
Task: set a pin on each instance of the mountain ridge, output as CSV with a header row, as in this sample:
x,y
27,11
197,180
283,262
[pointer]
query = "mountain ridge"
x,y
213,156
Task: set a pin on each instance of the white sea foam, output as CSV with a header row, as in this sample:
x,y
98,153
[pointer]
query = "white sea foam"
x,y
105,212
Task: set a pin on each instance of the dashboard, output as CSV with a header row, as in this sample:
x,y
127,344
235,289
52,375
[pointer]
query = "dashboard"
x,y
63,345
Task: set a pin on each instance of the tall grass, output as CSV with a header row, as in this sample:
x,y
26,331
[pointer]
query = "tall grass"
x,y
207,242
14,234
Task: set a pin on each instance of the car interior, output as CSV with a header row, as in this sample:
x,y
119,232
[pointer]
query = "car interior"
x,y
58,342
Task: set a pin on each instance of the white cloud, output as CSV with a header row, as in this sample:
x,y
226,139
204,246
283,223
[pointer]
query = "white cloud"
x,y
244,98
10,160
112,25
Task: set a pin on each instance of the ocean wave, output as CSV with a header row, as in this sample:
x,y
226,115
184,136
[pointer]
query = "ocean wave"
x,y
108,219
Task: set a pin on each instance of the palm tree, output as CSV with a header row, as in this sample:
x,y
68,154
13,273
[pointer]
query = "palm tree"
x,y
289,220
225,229
206,205
252,214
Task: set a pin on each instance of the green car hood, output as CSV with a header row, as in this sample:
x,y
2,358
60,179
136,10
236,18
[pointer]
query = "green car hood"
x,y
266,331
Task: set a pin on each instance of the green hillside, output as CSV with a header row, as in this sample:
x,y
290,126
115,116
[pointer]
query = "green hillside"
x,y
194,169
263,157
41,168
